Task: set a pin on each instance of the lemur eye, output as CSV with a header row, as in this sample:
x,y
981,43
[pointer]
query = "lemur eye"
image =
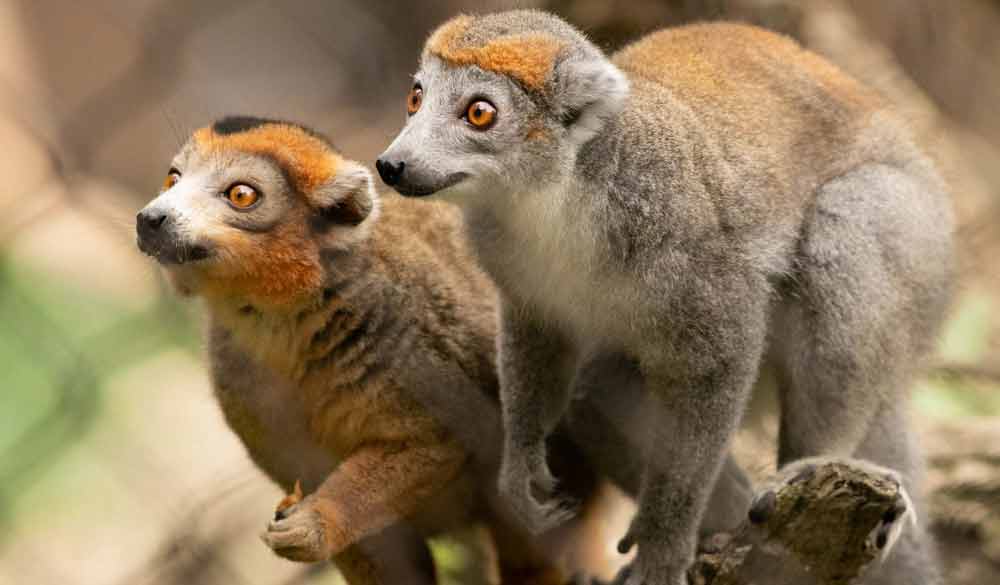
x,y
414,99
242,196
172,177
481,114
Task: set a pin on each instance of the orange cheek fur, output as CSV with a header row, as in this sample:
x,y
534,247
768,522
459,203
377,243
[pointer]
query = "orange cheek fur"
x,y
269,270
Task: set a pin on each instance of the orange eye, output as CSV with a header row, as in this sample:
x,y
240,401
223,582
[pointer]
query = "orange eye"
x,y
242,196
414,99
172,177
481,114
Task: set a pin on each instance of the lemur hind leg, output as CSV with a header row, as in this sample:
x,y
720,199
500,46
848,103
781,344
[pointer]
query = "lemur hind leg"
x,y
862,310
869,293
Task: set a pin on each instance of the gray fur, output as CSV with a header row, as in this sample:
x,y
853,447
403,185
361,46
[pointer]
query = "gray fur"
x,y
693,233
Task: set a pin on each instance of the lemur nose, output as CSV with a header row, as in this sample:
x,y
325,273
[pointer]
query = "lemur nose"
x,y
390,172
150,221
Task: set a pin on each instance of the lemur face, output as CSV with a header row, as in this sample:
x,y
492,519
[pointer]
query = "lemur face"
x,y
466,128
501,104
246,206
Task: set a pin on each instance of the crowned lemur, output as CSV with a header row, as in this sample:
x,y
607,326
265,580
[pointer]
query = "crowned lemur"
x,y
351,345
706,201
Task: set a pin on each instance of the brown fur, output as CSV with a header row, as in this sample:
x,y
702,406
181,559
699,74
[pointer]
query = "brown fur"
x,y
528,58
725,72
361,375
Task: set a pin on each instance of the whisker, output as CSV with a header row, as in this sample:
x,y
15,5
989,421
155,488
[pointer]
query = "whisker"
x,y
173,126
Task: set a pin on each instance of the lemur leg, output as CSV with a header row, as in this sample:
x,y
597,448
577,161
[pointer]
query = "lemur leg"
x,y
396,555
535,391
865,304
372,489
868,299
608,421
696,401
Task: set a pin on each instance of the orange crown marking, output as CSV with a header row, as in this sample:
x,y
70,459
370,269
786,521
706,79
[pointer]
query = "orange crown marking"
x,y
528,58
307,159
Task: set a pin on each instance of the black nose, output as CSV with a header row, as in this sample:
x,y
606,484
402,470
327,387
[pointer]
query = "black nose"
x,y
391,172
148,222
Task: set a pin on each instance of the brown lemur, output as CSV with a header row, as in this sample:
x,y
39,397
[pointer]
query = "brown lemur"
x,y
709,200
352,348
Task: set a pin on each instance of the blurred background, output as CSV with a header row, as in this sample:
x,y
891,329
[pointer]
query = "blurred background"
x,y
115,464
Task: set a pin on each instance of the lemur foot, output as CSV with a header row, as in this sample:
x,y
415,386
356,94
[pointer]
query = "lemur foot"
x,y
894,520
529,488
654,564
299,532
886,532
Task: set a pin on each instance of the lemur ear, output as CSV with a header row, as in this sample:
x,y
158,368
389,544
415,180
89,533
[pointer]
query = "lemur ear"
x,y
589,90
347,199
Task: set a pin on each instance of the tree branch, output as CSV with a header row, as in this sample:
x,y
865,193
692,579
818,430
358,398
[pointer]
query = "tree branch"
x,y
822,527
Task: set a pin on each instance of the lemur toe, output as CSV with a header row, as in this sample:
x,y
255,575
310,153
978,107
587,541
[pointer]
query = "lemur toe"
x,y
536,516
282,513
534,501
626,544
762,507
803,474
889,529
548,515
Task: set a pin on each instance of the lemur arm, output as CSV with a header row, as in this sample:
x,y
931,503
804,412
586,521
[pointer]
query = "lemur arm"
x,y
380,483
534,396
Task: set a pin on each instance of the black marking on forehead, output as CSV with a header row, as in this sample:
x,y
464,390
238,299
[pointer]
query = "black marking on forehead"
x,y
238,124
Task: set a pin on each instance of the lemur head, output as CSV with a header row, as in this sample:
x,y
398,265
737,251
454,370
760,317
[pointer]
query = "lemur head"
x,y
501,101
246,208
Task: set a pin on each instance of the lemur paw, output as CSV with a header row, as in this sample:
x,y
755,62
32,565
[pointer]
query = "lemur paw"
x,y
886,532
885,535
652,565
529,490
299,533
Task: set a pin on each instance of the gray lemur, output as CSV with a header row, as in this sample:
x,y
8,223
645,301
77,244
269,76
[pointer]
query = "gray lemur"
x,y
707,201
